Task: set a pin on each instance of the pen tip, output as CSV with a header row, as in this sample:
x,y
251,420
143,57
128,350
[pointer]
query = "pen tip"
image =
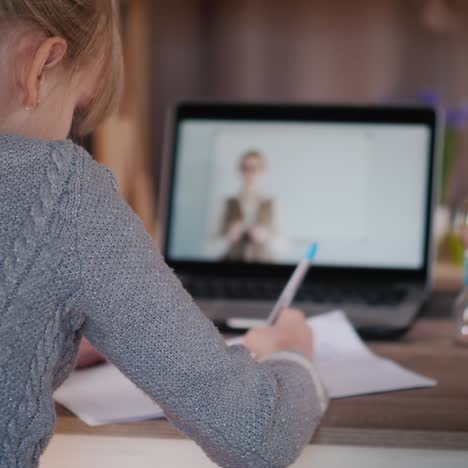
x,y
312,252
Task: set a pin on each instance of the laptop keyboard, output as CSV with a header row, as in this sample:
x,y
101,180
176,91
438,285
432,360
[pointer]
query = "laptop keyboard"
x,y
269,290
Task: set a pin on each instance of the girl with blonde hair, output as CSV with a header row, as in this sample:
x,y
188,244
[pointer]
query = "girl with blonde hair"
x,y
75,261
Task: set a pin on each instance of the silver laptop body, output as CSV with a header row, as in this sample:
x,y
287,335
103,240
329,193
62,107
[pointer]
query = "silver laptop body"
x,y
247,187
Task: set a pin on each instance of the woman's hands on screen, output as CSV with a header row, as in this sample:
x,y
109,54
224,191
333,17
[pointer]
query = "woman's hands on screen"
x,y
259,234
235,232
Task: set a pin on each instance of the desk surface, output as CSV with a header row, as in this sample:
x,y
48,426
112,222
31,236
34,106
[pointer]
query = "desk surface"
x,y
75,451
428,418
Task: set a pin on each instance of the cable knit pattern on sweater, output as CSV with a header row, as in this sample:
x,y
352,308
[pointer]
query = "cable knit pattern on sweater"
x,y
74,260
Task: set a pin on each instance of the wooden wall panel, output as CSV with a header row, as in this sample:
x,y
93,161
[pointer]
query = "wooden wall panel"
x,y
305,50
297,50
123,142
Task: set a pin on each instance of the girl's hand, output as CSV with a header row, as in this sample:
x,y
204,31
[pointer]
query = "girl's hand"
x,y
87,355
290,332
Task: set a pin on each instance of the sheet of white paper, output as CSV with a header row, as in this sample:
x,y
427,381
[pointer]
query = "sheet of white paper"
x,y
349,368
103,395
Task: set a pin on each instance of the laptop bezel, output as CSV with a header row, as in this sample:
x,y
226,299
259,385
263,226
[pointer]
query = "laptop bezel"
x,y
408,115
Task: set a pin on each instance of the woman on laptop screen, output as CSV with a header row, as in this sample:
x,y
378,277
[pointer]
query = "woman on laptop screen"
x,y
249,228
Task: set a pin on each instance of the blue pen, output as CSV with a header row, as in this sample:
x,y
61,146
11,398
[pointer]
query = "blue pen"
x,y
289,292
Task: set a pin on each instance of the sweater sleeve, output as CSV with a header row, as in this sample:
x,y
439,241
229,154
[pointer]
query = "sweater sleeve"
x,y
241,412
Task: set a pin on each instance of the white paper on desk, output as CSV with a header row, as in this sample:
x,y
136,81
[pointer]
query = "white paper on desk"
x,y
103,395
349,368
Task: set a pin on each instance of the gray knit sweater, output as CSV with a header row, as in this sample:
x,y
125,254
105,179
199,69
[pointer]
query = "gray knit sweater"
x,y
75,260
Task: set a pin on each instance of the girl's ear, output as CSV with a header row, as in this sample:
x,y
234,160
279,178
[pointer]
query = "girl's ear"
x,y
48,56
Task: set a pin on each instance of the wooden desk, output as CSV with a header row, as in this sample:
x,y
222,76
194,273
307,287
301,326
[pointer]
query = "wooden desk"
x,y
429,418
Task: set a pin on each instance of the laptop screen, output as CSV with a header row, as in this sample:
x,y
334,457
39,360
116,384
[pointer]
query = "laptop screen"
x,y
255,191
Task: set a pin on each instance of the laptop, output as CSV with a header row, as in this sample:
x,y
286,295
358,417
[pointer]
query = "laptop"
x,y
246,188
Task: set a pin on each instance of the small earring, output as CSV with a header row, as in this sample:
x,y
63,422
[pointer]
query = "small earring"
x,y
31,108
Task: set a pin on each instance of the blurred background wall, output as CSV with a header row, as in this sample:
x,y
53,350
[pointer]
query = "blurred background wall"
x,y
359,51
